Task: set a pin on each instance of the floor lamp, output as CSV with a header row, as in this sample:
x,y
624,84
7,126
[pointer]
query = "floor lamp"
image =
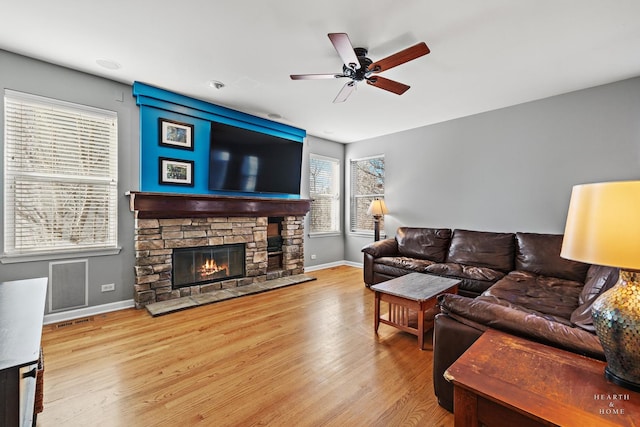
x,y
377,208
603,228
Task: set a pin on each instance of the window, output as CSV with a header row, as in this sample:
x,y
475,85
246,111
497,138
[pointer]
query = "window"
x,y
367,184
324,189
60,176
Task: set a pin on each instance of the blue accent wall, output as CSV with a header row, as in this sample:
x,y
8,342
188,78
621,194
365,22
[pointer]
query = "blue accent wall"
x,y
156,104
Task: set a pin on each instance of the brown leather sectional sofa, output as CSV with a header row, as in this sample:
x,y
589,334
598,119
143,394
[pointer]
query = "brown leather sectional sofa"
x,y
514,282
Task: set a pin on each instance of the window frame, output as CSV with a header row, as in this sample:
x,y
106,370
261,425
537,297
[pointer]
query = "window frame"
x,y
336,197
354,197
24,116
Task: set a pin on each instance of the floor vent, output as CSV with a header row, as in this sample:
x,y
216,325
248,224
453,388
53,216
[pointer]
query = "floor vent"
x,y
73,322
62,324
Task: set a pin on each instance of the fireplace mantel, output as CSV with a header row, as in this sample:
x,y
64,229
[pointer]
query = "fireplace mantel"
x,y
164,205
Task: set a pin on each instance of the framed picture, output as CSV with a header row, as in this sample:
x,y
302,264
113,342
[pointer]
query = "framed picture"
x,y
176,134
176,172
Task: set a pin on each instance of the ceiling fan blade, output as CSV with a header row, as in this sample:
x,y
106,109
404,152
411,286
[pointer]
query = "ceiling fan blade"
x,y
345,91
401,57
315,76
387,84
345,49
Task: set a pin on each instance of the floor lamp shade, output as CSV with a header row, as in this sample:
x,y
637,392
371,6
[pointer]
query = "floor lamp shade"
x,y
377,208
603,228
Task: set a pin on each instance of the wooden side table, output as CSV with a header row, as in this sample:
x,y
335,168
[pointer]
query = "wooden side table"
x,y
503,380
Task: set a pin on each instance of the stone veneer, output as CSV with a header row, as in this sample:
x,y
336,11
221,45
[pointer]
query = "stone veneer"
x,y
155,240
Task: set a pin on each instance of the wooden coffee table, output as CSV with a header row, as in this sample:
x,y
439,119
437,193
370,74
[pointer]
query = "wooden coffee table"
x,y
413,293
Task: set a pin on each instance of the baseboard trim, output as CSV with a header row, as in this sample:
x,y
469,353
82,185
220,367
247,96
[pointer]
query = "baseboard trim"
x,y
354,264
87,311
121,305
332,264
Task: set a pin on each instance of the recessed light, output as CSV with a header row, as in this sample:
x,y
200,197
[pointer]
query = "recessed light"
x,y
216,84
274,116
109,64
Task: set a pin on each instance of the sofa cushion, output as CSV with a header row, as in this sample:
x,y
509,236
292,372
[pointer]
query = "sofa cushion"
x,y
520,322
423,243
550,297
471,287
540,254
462,271
405,263
599,279
482,249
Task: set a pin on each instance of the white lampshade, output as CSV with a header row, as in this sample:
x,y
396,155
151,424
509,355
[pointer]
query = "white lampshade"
x,y
603,225
377,207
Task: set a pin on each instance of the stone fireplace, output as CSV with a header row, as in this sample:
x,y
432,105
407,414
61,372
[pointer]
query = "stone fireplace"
x,y
183,227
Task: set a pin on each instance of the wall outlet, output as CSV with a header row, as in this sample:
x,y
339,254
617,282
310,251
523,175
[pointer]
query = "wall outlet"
x,y
313,256
108,287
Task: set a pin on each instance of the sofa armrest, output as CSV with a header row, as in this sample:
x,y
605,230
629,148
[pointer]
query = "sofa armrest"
x,y
367,269
450,339
381,248
386,247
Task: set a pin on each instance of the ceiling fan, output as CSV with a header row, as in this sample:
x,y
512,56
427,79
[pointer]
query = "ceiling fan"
x,y
358,67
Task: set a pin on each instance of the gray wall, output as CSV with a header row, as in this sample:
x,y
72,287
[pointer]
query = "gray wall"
x,y
39,78
327,249
510,169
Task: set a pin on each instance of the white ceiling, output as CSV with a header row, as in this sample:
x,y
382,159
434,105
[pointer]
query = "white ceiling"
x,y
484,55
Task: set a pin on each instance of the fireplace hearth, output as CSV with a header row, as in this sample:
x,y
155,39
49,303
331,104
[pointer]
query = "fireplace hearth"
x,y
208,264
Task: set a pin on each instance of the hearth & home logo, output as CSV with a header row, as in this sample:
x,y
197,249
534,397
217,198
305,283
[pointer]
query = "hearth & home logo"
x,y
612,402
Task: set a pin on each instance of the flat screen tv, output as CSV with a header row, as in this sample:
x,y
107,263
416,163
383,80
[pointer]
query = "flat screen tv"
x,y
242,160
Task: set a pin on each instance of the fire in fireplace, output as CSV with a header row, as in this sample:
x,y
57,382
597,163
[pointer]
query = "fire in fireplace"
x,y
207,264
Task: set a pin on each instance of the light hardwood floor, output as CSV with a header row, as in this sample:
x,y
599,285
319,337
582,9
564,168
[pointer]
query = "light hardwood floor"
x,y
305,355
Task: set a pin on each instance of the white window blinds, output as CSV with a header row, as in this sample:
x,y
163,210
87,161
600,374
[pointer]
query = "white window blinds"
x,y
61,170
324,189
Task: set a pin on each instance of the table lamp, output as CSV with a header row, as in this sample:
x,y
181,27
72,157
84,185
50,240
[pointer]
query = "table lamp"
x,y
603,228
377,208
